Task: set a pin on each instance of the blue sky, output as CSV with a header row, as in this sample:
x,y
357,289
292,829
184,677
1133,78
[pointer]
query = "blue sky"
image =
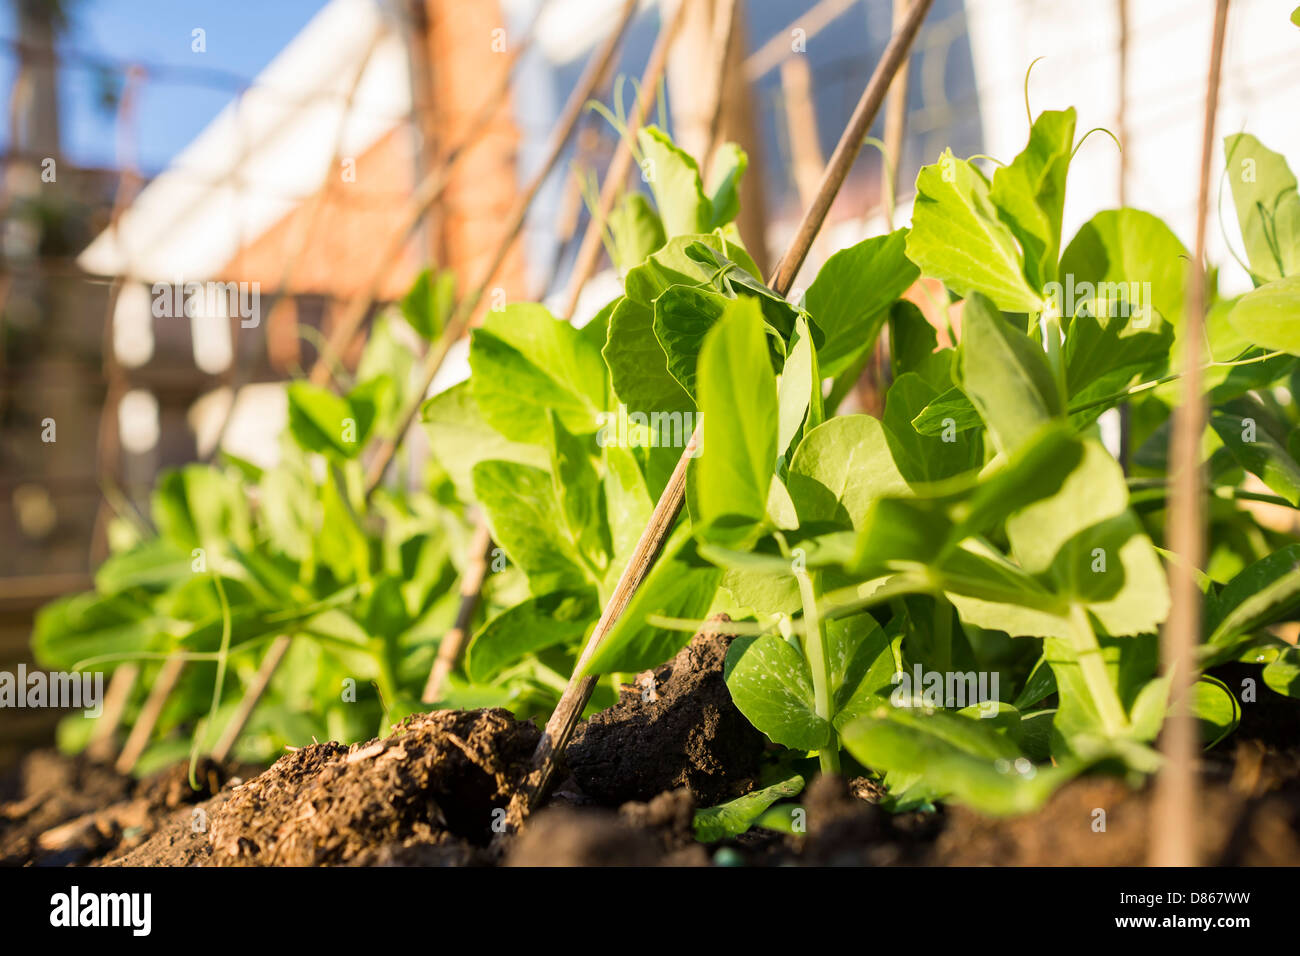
x,y
242,37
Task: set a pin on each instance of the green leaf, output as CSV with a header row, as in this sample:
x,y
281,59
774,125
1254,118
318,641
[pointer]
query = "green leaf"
x,y
862,665
428,304
850,297
628,504
578,489
1295,16
913,341
525,362
921,458
1089,549
1036,470
674,179
739,432
459,438
958,238
840,468
154,563
1283,674
81,626
734,817
636,229
799,395
390,357
1259,453
1104,355
735,274
198,506
1268,206
725,174
1270,315
993,593
1030,193
1005,375
896,531
949,412
759,590
638,366
1213,704
683,316
366,400
770,684
527,521
1117,252
341,545
554,619
321,421
1040,684
1265,592
956,757
680,585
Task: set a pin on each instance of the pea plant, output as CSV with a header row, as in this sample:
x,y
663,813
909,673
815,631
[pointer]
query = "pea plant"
x,y
964,594
983,508
960,597
231,556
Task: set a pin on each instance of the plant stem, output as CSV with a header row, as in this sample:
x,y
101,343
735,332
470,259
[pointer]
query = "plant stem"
x,y
814,648
942,633
1165,380
1093,667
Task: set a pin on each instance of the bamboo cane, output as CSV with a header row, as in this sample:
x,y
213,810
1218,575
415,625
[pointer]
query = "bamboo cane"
x,y
142,730
261,680
1173,806
560,727
471,587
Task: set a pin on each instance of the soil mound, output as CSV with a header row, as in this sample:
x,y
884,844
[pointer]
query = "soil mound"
x,y
676,728
428,789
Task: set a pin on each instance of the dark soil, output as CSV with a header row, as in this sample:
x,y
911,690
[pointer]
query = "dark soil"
x,y
434,792
676,728
429,792
657,833
63,811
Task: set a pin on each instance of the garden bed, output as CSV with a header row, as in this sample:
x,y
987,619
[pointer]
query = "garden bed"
x,y
430,794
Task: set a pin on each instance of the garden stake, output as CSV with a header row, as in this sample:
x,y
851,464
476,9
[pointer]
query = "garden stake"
x,y
560,727
471,586
1173,804
252,695
142,730
116,697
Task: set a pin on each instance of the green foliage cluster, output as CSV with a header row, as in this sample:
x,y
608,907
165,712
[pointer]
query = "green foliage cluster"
x,y
978,527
